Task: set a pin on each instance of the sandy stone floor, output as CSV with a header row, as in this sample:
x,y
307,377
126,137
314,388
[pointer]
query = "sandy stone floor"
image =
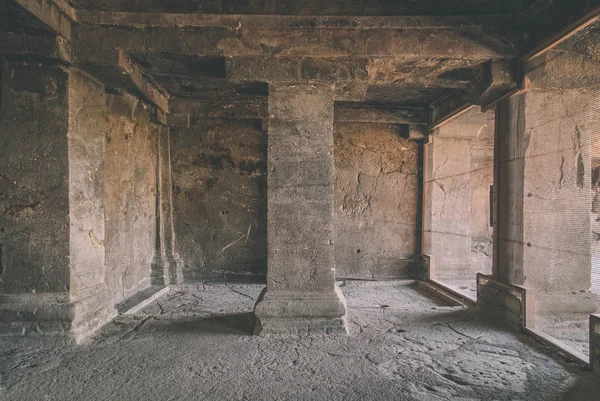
x,y
194,344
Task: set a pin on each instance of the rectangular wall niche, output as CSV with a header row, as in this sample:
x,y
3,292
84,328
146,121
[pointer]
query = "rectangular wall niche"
x,y
458,176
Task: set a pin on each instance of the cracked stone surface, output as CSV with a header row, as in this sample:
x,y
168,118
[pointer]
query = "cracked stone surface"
x,y
194,343
375,201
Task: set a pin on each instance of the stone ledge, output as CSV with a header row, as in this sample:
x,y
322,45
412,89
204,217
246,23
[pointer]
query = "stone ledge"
x,y
28,316
300,313
141,299
501,300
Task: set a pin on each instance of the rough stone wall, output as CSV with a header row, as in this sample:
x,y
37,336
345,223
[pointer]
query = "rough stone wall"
x,y
557,188
87,117
34,209
219,199
482,177
545,239
458,175
130,195
375,201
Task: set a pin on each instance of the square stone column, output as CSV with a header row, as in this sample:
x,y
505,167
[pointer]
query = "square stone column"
x,y
301,296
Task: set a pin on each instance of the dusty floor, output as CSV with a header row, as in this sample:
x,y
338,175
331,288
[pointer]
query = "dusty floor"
x,y
194,345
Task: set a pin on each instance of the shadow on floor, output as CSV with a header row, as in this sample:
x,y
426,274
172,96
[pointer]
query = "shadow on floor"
x,y
236,323
584,389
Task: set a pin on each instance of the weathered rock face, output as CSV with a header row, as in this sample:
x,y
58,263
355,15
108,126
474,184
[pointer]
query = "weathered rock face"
x,y
112,193
130,195
87,121
344,7
376,197
545,241
77,209
458,174
34,200
219,197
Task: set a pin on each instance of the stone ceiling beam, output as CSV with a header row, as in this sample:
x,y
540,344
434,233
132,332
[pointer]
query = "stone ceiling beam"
x,y
365,113
57,14
494,23
34,47
499,79
241,108
562,69
394,71
97,44
448,107
148,89
551,22
182,110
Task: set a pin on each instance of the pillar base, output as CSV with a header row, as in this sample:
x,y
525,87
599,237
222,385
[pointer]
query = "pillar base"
x,y
300,313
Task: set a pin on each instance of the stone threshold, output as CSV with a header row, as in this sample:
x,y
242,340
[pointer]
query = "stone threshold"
x,y
559,346
449,295
140,300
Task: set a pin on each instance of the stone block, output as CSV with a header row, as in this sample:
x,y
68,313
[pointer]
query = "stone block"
x,y
300,313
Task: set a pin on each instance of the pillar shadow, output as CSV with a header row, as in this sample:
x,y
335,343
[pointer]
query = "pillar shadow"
x,y
235,323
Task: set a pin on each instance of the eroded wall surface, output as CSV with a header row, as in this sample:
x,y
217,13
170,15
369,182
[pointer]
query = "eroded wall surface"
x,y
87,117
375,201
458,174
34,188
130,195
219,199
112,194
557,189
545,240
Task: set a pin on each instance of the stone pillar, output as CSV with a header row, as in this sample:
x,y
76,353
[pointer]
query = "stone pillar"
x,y
301,296
89,292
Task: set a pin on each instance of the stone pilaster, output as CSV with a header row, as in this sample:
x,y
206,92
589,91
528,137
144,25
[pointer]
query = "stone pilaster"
x,y
301,296
166,267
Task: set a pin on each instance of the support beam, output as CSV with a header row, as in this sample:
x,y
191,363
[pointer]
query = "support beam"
x,y
448,107
561,18
429,71
369,113
301,296
97,44
562,69
148,89
499,79
493,23
58,18
241,107
414,132
182,111
17,45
